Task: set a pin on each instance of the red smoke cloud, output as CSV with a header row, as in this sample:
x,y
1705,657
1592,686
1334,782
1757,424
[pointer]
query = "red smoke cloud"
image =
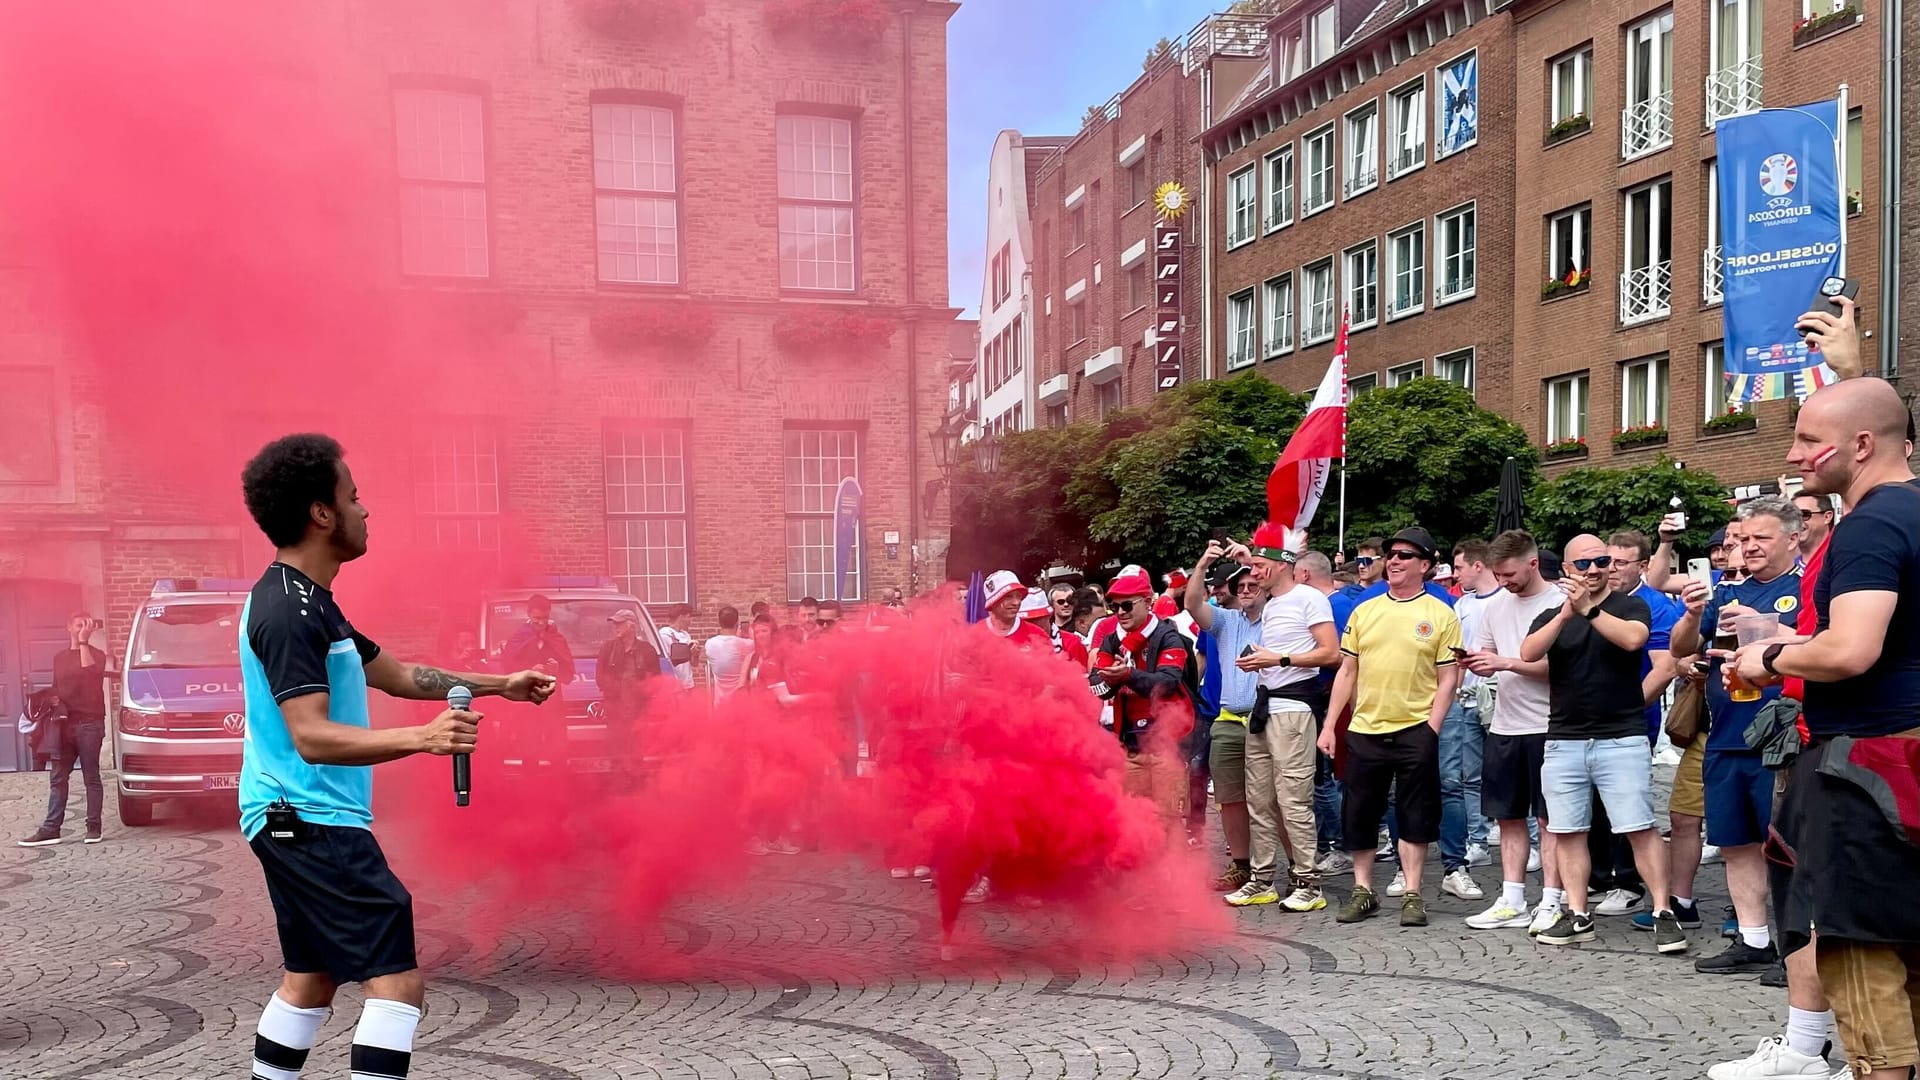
x,y
204,219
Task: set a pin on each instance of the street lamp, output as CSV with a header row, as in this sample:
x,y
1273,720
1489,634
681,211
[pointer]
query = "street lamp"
x,y
986,452
946,439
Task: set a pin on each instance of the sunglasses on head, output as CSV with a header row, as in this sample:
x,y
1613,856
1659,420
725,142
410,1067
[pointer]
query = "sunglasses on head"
x,y
1601,561
1122,607
1403,555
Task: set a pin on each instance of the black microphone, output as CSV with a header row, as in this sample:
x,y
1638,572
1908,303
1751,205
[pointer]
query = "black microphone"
x,y
459,697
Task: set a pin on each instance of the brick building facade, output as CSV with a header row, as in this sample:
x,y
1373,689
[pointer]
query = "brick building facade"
x,y
1342,180
1633,188
747,187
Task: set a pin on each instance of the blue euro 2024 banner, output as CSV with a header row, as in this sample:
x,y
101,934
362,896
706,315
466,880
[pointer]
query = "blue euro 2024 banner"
x,y
846,527
1780,225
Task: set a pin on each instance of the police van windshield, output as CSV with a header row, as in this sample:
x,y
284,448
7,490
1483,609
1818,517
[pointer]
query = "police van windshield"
x,y
188,636
582,622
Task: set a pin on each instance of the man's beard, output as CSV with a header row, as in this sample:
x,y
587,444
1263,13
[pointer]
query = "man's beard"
x,y
338,540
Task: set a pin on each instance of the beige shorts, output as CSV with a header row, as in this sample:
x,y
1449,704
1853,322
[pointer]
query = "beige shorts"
x,y
1689,790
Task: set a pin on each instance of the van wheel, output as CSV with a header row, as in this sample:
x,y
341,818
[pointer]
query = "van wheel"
x,y
135,813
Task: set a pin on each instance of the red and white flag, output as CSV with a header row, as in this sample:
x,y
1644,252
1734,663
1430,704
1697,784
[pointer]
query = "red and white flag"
x,y
1299,478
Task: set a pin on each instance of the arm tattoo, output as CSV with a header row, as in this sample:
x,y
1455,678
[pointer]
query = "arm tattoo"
x,y
431,680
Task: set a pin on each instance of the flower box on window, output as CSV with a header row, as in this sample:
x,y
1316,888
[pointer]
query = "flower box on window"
x,y
637,18
1559,449
1576,281
1732,420
840,23
669,324
1571,126
1854,204
1643,435
1815,27
826,330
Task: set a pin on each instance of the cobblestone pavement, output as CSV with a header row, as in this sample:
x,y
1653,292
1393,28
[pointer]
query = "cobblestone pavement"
x,y
149,956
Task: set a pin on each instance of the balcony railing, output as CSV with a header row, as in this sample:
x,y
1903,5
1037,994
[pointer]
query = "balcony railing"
x,y
1646,126
1360,180
1646,293
1711,279
1733,90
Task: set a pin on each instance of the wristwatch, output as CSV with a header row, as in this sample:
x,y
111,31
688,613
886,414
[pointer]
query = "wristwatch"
x,y
1286,661
1771,654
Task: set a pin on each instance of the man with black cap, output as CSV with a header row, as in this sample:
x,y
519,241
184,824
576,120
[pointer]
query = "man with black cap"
x,y
1398,670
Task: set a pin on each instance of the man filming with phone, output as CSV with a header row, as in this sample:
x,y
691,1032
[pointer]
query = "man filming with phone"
x,y
306,795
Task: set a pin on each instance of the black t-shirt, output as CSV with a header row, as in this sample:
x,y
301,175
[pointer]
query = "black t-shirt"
x,y
1595,684
76,682
1876,548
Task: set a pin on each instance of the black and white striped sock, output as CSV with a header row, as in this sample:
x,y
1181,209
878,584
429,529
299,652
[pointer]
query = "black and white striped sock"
x,y
283,1039
383,1043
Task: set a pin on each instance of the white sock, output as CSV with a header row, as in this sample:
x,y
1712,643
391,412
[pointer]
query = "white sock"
x,y
383,1043
283,1038
1756,937
1807,1031
1682,901
1514,894
1553,898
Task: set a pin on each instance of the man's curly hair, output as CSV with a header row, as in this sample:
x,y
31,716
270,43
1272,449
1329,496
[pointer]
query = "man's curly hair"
x,y
285,479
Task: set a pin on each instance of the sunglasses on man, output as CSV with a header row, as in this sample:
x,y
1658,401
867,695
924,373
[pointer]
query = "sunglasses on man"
x,y
1364,561
1403,555
1601,561
826,624
1123,607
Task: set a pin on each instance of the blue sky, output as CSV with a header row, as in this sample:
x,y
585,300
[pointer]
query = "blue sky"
x,y
1035,66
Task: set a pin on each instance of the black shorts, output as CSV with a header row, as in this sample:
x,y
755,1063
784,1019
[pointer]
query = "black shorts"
x,y
1510,777
1405,765
339,909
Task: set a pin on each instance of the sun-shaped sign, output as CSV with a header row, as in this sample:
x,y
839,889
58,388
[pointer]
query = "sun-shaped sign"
x,y
1171,200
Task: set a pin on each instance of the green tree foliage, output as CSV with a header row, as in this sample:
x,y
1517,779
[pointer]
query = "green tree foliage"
x,y
1160,51
1603,500
1426,454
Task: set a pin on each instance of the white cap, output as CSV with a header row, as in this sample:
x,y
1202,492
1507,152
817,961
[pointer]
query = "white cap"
x,y
1000,584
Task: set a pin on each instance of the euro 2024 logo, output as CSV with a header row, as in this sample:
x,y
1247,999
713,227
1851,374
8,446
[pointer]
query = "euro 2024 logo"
x,y
1778,175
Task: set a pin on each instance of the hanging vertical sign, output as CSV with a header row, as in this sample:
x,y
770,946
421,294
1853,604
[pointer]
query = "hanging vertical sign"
x,y
1171,200
1459,104
846,528
1781,223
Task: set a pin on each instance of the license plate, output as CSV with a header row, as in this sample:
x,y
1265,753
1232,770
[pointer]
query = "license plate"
x,y
223,782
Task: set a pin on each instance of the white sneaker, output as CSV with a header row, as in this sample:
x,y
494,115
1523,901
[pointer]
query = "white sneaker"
x,y
1386,850
922,873
1478,855
757,846
1334,862
1498,917
900,873
1461,884
1709,855
1772,1058
978,893
1619,902
784,846
1544,915
1844,1072
1533,860
1399,886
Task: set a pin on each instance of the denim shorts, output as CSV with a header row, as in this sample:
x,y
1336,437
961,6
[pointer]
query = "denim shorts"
x,y
1621,770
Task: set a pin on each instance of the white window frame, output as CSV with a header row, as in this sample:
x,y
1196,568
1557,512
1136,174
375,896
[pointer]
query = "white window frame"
x,y
1807,12
1414,271
1557,107
1363,288
1712,268
1746,18
457,488
1108,399
1576,386
1321,175
1276,309
803,206
1243,196
1359,386
649,511
1658,264
1402,374
1655,396
1137,173
1360,164
1580,257
1467,256
1442,361
1659,122
636,196
440,138
1322,312
1714,395
1243,330
1440,105
1278,196
1399,110
809,510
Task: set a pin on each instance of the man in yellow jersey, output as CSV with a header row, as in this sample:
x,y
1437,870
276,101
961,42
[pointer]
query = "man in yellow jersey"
x,y
1398,671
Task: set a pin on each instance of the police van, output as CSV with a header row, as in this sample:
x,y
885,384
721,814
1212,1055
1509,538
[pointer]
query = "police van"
x,y
582,607
182,715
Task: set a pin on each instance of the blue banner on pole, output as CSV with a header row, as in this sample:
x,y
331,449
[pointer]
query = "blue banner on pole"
x,y
1780,223
846,530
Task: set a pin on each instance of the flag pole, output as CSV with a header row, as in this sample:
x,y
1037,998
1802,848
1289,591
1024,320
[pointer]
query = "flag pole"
x,y
1346,402
1342,549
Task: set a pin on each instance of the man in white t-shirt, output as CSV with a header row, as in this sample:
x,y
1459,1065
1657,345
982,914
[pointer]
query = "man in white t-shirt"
x,y
1463,830
1516,743
1296,639
728,654
677,640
